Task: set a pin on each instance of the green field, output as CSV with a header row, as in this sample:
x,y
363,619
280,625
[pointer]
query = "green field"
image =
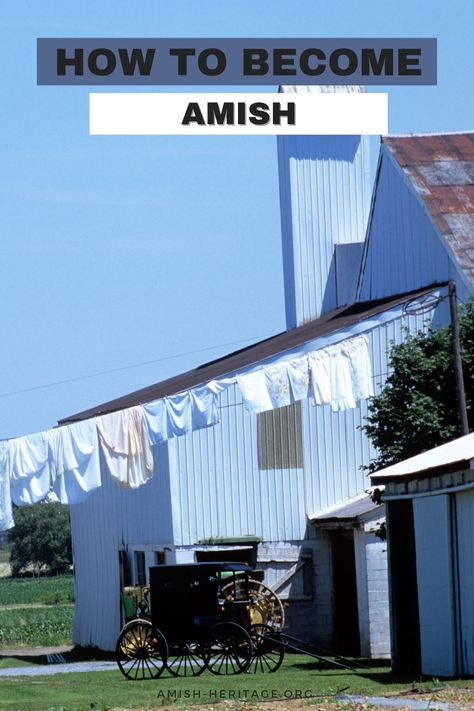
x,y
36,612
36,626
40,591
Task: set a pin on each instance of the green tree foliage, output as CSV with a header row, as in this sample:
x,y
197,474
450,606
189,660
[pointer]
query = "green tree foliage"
x,y
41,538
417,408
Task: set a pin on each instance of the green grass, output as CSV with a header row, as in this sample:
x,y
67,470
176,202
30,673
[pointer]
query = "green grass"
x,y
42,591
298,676
34,627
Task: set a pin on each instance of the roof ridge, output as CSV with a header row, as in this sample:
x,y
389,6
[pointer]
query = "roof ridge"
x,y
466,132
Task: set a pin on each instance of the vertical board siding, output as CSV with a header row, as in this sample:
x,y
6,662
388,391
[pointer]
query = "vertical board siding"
x,y
218,489
465,542
434,582
335,448
324,199
404,250
107,520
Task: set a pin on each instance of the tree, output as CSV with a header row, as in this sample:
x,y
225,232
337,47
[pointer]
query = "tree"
x,y
417,408
41,538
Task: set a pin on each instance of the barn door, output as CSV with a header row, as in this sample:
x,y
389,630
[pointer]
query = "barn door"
x,y
346,615
403,587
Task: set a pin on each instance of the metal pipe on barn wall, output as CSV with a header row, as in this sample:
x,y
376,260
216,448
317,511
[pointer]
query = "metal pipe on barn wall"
x,y
458,372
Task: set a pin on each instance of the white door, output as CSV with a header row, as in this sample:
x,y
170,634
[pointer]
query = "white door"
x,y
465,528
434,582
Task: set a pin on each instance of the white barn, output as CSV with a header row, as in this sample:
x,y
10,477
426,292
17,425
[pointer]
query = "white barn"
x,y
284,476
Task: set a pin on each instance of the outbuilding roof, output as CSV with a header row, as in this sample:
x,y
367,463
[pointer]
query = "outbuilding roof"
x,y
441,170
286,341
347,511
453,455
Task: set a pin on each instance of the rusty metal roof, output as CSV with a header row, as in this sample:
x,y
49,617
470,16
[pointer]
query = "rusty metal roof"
x,y
441,170
329,323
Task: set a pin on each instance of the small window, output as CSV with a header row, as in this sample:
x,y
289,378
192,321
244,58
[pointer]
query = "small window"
x,y
280,438
140,568
160,557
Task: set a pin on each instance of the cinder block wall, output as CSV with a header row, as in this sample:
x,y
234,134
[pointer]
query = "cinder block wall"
x,y
377,593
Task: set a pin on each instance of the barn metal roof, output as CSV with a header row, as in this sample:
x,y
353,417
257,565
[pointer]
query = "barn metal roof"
x,y
450,456
441,170
325,325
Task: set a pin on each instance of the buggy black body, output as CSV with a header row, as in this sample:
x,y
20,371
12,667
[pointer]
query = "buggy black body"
x,y
203,616
186,600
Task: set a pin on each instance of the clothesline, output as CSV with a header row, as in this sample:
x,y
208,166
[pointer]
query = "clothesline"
x,y
68,462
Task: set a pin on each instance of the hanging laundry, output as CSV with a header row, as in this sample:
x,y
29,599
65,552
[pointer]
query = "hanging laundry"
x,y
320,376
6,516
126,450
278,384
342,395
254,390
341,374
180,414
75,465
29,467
217,386
357,350
204,411
298,376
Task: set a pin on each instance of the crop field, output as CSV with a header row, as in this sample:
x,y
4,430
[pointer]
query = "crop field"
x,y
35,626
37,591
36,612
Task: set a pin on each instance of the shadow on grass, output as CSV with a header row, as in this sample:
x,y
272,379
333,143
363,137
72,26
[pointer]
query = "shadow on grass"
x,y
77,654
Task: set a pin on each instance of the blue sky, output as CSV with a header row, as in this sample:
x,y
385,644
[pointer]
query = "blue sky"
x,y
162,251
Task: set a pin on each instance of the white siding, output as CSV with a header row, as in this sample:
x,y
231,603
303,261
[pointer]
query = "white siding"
x,y
434,576
404,250
107,520
465,528
218,489
336,450
324,199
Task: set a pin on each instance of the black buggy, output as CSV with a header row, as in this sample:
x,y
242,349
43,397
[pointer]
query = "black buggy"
x,y
203,616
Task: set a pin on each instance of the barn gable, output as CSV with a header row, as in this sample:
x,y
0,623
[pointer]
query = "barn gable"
x,y
421,227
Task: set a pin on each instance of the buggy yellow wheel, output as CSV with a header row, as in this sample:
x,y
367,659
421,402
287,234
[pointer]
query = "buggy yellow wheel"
x,y
141,651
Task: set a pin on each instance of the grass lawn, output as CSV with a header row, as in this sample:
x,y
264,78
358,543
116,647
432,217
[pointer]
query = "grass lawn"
x,y
298,677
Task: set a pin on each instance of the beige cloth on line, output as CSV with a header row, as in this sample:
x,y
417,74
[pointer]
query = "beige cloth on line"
x,y
125,446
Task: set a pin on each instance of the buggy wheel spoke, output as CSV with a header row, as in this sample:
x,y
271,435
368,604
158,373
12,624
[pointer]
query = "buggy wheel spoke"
x,y
141,651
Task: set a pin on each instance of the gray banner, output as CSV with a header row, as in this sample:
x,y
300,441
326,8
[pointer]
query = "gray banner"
x,y
236,62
